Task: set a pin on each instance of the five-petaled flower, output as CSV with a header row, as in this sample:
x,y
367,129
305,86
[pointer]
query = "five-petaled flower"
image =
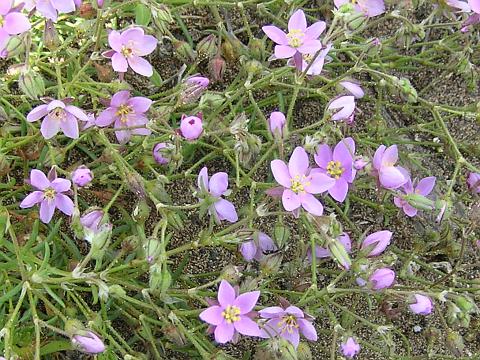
x,y
300,38
58,115
389,175
128,48
232,314
287,323
12,22
299,184
51,8
211,191
126,112
338,165
50,194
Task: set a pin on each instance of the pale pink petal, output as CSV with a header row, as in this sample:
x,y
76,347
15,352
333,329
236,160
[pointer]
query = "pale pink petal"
x,y
226,294
307,329
140,66
47,208
293,337
310,47
246,301
50,127
32,199
247,326
37,113
5,6
318,183
339,190
77,112
315,30
409,210
218,183
64,204
146,46
140,104
64,6
281,173
61,185
271,312
391,178
248,250
284,51
106,117
298,163
54,104
120,98
212,315
377,158
390,156
46,8
323,156
39,180
119,62
311,204
202,180
290,200
4,39
224,333
297,21
475,5
115,41
226,210
275,34
16,23
134,34
353,88
70,127
426,185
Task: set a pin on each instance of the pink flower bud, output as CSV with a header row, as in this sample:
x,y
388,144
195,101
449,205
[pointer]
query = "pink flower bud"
x,y
91,220
89,343
159,154
193,88
473,182
350,348
382,278
423,305
276,122
360,163
82,176
100,3
377,242
191,127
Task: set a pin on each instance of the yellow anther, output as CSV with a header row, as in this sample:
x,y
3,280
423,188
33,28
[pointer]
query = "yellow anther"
x,y
295,38
231,314
335,169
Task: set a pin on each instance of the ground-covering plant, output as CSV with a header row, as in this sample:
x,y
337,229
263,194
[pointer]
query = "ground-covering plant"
x,y
216,179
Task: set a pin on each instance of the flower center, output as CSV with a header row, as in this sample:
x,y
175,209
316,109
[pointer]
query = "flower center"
x,y
288,323
49,193
299,183
123,111
127,51
335,169
295,38
231,314
58,114
2,21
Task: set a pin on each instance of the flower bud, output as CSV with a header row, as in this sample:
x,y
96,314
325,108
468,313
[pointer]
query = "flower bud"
x,y
350,348
31,84
339,253
193,88
100,3
82,176
99,239
211,101
15,47
257,48
141,212
117,291
50,36
473,182
455,342
382,278
216,67
160,153
207,47
421,304
184,52
91,219
191,127
152,248
360,162
374,244
88,343
276,122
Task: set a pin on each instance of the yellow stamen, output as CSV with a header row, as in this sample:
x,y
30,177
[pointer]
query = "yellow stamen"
x,y
295,38
335,169
123,111
126,51
298,184
49,193
231,314
288,323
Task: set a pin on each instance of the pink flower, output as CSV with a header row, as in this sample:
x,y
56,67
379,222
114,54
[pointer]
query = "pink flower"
x,y
128,48
193,88
88,343
276,123
51,8
125,112
287,323
58,115
91,220
49,194
368,8
473,182
12,22
191,127
382,278
424,187
82,176
299,185
390,176
377,242
317,65
346,104
423,305
256,248
350,348
300,38
231,314
212,191
338,165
